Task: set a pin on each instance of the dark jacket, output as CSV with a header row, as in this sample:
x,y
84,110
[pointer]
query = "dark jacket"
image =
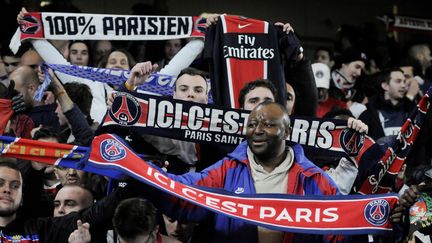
x,y
58,229
36,201
301,77
44,115
80,128
377,103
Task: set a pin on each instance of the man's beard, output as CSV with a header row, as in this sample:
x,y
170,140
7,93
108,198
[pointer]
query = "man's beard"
x,y
8,212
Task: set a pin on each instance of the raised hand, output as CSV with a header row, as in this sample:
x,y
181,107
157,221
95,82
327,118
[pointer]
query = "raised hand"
x,y
139,73
81,234
357,125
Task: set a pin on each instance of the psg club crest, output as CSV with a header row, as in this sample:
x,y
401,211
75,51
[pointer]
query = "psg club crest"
x,y
127,112
377,212
111,150
29,25
351,141
200,25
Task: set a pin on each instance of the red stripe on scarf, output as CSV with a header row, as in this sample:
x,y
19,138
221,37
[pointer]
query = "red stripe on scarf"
x,y
5,113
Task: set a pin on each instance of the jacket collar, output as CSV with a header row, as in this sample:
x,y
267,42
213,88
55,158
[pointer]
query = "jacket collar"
x,y
240,154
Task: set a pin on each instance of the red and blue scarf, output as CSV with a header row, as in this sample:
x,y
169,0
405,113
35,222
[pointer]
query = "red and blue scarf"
x,y
111,156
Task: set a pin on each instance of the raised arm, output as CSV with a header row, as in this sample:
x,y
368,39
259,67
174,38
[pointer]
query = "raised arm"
x,y
346,171
184,57
81,130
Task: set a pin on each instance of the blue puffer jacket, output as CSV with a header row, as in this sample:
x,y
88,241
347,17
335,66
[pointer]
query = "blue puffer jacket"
x,y
233,174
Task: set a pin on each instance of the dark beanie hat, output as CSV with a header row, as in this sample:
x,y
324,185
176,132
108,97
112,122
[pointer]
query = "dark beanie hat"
x,y
351,55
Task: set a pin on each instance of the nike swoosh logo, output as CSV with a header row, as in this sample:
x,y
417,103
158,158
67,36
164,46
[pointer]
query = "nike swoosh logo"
x,y
239,190
243,26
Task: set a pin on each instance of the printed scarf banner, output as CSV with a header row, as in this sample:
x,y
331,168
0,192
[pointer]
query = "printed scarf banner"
x,y
404,23
73,26
382,176
194,122
38,95
111,157
302,214
156,84
67,155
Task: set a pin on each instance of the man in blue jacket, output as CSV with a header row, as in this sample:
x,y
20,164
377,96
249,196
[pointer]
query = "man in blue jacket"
x,y
264,163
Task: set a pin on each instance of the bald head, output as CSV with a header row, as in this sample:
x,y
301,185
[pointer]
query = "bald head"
x,y
24,76
267,129
26,82
275,108
71,198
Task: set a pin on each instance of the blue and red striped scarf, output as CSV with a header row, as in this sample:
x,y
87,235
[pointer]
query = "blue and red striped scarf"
x,y
111,156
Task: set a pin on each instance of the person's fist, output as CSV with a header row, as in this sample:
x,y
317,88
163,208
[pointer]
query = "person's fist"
x,y
410,196
140,72
357,125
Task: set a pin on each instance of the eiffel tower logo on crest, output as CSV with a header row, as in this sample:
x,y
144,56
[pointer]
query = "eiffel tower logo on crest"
x,y
123,112
351,141
128,112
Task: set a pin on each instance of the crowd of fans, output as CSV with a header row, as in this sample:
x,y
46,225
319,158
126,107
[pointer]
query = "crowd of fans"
x,y
56,204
